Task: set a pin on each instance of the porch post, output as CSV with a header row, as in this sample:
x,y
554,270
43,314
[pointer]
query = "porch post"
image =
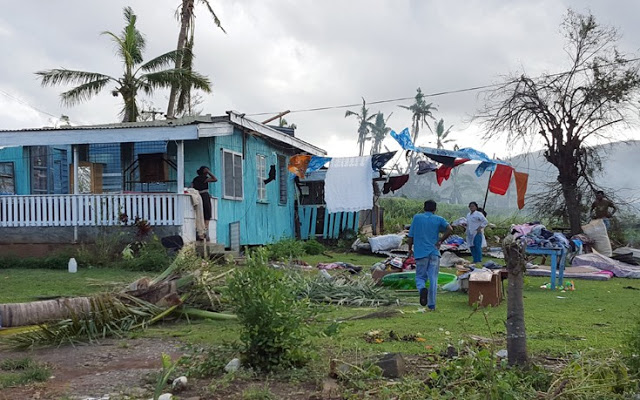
x,y
76,159
180,177
76,190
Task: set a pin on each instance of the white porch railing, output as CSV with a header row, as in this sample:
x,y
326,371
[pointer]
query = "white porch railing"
x,y
93,209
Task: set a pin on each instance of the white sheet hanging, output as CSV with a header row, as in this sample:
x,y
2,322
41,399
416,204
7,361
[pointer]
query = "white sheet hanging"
x,y
348,185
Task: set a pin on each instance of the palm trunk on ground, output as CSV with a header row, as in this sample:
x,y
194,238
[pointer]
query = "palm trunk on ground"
x,y
39,312
514,254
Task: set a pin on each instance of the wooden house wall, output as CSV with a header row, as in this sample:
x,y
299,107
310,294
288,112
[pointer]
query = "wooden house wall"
x,y
261,222
20,158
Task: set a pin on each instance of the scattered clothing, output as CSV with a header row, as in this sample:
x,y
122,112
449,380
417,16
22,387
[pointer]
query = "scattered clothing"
x,y
444,172
425,167
298,165
395,183
379,160
317,162
196,202
348,184
499,183
521,187
600,261
444,160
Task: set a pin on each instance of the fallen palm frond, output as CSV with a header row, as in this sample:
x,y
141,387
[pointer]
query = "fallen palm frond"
x,y
109,315
344,290
195,312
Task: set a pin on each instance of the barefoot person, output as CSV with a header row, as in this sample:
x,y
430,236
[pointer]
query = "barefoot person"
x,y
600,209
424,243
201,184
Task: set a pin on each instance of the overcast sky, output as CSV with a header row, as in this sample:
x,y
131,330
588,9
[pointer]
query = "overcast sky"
x,y
301,54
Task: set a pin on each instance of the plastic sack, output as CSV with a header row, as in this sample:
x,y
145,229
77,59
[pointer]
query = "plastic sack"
x,y
452,286
597,231
385,242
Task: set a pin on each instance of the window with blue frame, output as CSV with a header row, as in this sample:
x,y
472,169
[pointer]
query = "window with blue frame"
x,y
7,178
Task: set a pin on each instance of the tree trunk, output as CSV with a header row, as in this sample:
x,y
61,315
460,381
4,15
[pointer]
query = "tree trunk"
x,y
514,254
185,17
572,202
39,312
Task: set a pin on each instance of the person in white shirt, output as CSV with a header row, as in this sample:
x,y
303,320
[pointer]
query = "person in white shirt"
x,y
476,222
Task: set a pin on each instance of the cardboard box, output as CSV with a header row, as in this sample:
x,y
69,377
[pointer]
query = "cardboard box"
x,y
486,293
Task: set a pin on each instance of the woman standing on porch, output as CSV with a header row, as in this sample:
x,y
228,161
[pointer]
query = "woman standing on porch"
x,y
201,184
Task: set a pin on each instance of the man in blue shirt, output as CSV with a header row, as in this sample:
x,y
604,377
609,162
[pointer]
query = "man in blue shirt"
x,y
425,239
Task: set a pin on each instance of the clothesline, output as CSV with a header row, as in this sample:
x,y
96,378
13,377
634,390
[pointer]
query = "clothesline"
x,y
300,165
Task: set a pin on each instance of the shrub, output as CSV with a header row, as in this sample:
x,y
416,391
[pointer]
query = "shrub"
x,y
313,247
274,333
150,256
285,249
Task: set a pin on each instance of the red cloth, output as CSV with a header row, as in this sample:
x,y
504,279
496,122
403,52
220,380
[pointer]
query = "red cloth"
x,y
521,186
444,172
500,180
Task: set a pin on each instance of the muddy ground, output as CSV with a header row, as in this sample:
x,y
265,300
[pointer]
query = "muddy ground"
x,y
126,369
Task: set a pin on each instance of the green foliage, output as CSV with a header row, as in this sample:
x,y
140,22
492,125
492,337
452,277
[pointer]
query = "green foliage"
x,y
274,333
399,211
285,249
632,349
150,256
313,247
258,393
18,372
168,367
206,362
54,261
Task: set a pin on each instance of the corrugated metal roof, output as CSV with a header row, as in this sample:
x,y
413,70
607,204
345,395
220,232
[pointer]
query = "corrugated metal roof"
x,y
189,120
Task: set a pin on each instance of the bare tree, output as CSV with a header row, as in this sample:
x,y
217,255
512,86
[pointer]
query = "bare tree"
x,y
567,111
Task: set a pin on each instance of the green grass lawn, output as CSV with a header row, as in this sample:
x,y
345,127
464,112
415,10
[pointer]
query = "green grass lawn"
x,y
23,285
596,315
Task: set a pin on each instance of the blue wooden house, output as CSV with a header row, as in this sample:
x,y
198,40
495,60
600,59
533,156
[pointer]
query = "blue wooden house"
x,y
141,169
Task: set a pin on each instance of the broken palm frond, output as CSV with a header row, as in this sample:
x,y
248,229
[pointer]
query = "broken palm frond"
x,y
109,315
195,312
346,291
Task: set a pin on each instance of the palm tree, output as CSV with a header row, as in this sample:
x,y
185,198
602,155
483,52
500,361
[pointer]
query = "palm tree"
x,y
379,131
364,125
137,76
441,133
421,111
186,15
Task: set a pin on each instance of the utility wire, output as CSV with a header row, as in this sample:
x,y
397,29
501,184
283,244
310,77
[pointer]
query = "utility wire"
x,y
437,94
27,104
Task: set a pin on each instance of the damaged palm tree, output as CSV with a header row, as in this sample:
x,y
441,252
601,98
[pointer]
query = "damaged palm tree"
x,y
515,256
184,288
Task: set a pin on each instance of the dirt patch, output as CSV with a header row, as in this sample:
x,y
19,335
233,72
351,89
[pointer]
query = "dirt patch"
x,y
112,366
118,369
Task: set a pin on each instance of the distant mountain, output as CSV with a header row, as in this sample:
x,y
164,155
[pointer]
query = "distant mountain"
x,y
620,174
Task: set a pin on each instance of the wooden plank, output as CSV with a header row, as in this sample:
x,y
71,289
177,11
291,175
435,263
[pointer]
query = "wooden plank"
x,y
332,218
350,220
325,229
314,222
336,226
302,215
